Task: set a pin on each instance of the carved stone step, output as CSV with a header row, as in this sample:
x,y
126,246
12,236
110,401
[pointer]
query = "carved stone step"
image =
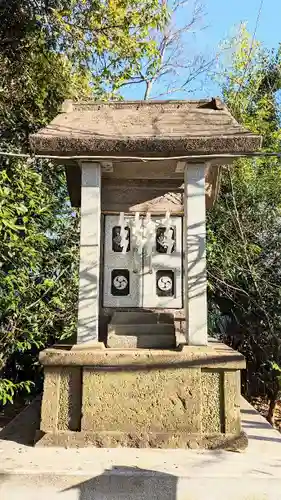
x,y
142,330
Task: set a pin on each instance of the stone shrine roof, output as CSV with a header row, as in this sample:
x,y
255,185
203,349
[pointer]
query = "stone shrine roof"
x,y
144,128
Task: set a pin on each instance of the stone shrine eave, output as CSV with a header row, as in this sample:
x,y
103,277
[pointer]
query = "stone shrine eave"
x,y
148,177
141,128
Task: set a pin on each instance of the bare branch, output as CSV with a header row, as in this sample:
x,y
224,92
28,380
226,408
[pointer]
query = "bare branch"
x,y
175,66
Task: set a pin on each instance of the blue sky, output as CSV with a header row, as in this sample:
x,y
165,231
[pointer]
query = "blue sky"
x,y
222,15
221,18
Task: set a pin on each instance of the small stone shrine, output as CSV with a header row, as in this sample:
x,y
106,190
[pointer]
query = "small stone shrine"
x,y
142,371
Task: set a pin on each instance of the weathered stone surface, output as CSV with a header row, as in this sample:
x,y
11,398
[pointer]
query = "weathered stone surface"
x,y
143,440
141,330
90,242
146,401
50,400
194,248
212,414
70,399
138,323
215,355
141,341
153,186
155,195
88,346
141,398
231,403
163,127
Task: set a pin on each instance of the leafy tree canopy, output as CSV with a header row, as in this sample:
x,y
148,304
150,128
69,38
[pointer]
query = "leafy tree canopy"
x,y
244,243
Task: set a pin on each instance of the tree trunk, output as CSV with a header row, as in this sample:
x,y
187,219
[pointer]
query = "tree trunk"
x,y
271,410
147,90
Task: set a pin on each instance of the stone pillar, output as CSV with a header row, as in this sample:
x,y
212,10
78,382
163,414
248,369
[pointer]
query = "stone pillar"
x,y
195,255
89,272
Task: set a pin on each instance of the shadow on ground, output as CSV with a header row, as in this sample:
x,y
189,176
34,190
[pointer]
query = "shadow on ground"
x,y
23,427
120,483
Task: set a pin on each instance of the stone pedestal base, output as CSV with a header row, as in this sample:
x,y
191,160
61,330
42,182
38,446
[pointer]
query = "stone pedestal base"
x,y
142,398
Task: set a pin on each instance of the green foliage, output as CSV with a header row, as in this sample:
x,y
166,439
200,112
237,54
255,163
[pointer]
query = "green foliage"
x,y
38,248
109,38
104,40
244,242
38,235
8,389
250,87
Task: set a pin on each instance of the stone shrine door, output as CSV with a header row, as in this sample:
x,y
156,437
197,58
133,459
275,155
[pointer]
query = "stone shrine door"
x,y
143,262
